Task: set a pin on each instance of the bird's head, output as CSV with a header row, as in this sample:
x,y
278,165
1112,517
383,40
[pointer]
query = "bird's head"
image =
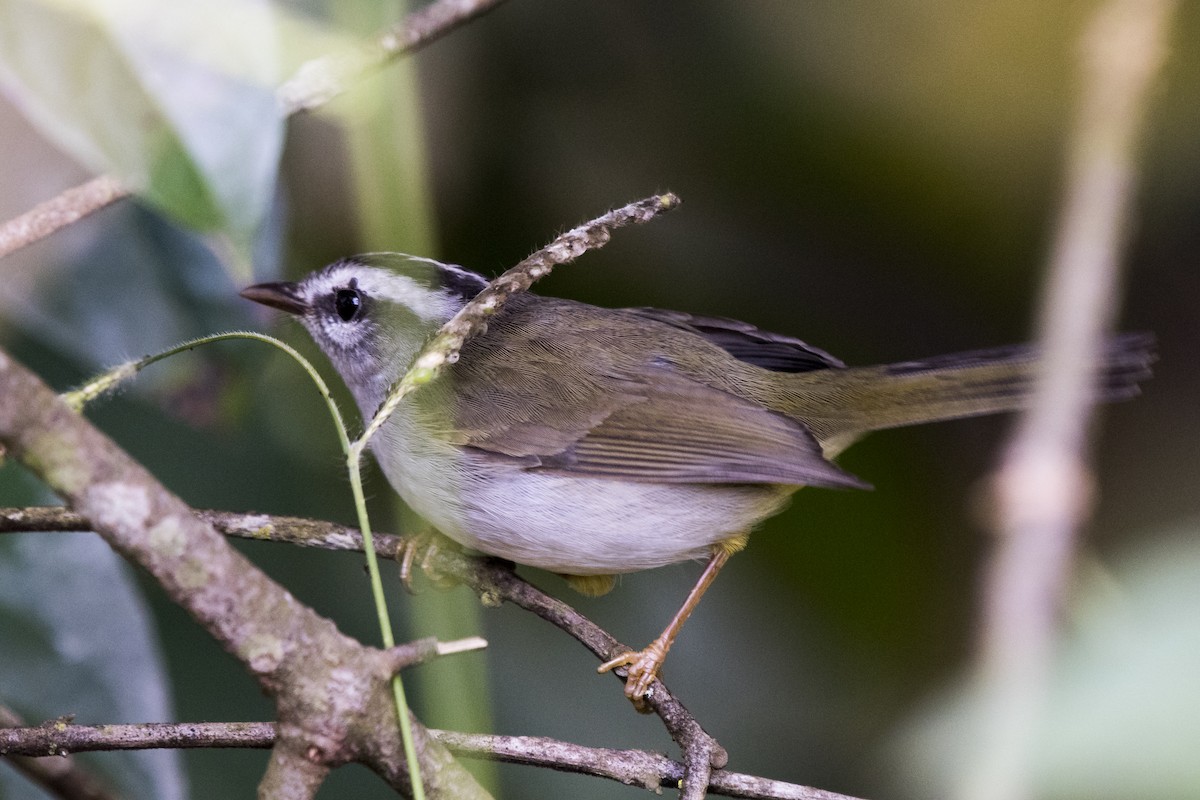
x,y
371,313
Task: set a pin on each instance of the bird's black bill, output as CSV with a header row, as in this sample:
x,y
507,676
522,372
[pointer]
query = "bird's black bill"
x,y
282,295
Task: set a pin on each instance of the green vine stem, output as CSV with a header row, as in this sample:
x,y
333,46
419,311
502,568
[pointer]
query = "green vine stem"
x,y
108,381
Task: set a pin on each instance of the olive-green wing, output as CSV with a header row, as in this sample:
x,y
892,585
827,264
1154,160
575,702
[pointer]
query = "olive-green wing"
x,y
680,431
584,391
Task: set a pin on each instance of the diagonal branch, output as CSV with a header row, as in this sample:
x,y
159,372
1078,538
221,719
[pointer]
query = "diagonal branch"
x,y
298,657
65,209
447,343
315,83
493,579
320,80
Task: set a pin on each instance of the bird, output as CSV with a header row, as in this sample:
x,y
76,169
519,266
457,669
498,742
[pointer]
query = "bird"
x,y
594,442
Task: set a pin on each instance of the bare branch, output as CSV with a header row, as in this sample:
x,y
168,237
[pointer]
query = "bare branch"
x,y
493,579
630,767
55,771
445,346
1043,484
315,83
59,212
496,582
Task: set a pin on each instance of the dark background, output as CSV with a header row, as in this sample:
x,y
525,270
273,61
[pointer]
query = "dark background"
x,y
879,178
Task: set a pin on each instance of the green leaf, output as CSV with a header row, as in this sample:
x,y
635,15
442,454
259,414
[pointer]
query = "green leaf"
x,y
1121,715
175,98
78,639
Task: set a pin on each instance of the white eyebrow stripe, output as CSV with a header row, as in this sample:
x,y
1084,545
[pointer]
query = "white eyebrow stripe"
x,y
426,304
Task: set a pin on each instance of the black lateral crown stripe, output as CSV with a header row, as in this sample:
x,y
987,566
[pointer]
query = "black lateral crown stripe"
x,y
460,282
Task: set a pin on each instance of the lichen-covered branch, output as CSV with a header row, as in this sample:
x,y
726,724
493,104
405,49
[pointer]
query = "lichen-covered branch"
x,y
59,738
298,657
494,580
640,768
60,774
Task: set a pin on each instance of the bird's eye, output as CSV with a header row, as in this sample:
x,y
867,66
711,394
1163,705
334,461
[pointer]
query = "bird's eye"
x,y
347,302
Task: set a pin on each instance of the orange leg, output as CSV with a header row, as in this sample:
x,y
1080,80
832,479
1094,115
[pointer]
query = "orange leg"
x,y
645,664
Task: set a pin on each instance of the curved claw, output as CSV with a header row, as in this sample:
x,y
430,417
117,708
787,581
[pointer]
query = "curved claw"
x,y
425,545
643,667
406,557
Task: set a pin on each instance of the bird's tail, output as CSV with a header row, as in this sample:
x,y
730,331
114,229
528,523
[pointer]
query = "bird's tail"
x,y
841,405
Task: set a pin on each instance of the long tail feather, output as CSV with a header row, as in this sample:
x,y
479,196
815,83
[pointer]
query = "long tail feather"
x,y
855,401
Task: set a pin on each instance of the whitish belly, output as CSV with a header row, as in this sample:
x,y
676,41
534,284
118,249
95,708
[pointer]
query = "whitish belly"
x,y
574,525
589,526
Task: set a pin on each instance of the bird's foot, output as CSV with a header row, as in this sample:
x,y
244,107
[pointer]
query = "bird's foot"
x,y
425,546
643,666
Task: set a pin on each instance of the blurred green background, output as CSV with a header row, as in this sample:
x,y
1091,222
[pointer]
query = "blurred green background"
x,y
878,178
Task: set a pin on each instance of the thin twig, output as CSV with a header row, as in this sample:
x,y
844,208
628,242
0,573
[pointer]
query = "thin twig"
x,y
314,84
68,207
493,579
444,347
320,80
1043,483
631,767
56,772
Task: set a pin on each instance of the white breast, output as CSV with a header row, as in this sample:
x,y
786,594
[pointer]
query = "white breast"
x,y
561,522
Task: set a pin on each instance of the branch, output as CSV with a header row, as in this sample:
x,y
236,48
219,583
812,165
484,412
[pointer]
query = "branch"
x,y
298,657
444,347
631,767
60,775
59,212
58,738
318,81
315,83
493,579
1043,484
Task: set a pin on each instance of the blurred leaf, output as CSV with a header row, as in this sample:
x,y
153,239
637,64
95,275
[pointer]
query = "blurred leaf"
x,y
142,287
175,98
78,640
1122,715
